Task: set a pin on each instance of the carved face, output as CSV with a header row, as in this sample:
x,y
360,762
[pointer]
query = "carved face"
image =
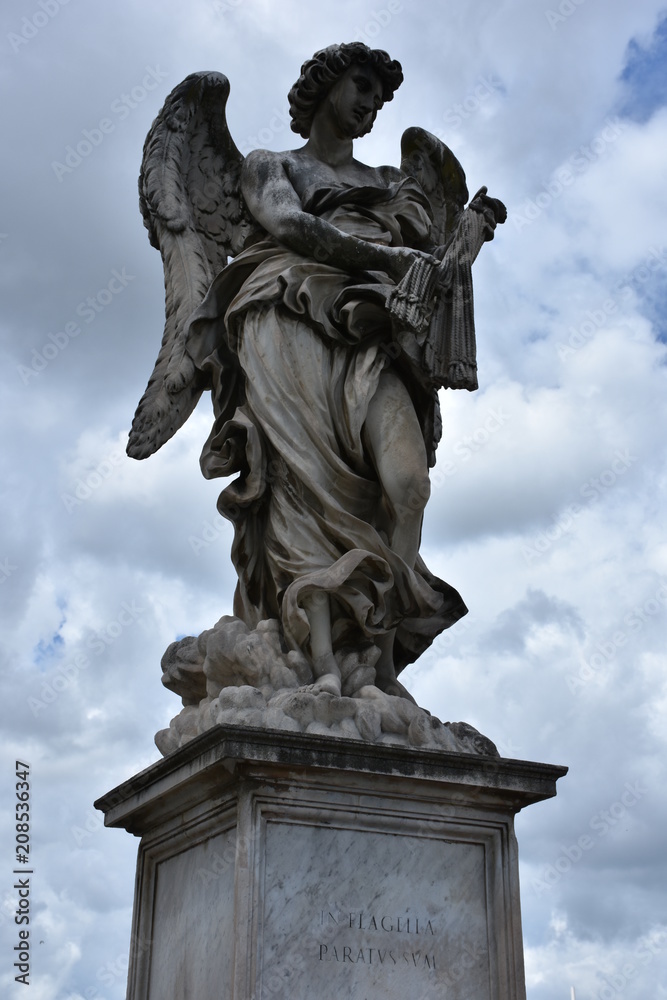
x,y
354,101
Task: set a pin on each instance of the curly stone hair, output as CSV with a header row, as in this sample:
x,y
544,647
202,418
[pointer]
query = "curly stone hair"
x,y
319,74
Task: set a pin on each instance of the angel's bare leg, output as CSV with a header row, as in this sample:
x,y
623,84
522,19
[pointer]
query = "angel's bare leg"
x,y
394,439
325,667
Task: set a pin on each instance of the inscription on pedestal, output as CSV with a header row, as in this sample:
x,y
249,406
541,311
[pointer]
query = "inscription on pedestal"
x,y
395,931
421,931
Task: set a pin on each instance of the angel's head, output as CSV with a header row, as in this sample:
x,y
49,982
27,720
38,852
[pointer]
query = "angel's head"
x,y
320,74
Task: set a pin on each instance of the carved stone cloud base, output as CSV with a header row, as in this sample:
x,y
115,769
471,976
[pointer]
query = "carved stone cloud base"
x,y
283,866
233,675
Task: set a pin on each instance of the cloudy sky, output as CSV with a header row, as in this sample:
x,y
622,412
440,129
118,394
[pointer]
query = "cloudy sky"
x,y
548,516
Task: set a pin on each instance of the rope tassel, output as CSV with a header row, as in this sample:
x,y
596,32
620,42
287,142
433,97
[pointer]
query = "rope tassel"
x,y
440,298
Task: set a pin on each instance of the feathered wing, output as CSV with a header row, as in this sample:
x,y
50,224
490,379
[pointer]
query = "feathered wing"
x,y
440,299
191,202
441,177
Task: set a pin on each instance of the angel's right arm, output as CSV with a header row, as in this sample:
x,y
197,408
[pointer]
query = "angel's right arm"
x,y
274,203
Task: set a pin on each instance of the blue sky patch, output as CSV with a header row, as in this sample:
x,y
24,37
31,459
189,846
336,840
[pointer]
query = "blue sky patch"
x,y
645,77
654,305
45,651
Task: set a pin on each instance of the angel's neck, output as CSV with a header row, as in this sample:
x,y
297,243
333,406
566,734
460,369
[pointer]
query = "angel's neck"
x,y
325,146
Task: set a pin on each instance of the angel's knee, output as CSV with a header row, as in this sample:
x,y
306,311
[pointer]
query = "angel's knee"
x,y
407,487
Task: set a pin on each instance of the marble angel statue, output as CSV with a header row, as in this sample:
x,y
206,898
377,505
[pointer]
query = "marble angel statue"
x,y
323,303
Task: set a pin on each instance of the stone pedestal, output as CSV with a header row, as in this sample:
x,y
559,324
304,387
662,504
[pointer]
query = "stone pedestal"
x,y
278,866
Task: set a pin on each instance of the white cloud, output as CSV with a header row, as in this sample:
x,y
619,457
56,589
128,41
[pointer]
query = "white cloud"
x,y
548,521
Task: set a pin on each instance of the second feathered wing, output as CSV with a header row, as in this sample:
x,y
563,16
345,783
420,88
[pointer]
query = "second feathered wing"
x,y
191,202
441,177
438,300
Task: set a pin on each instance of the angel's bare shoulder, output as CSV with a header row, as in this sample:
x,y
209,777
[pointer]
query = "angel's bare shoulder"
x,y
267,187
390,174
286,174
262,163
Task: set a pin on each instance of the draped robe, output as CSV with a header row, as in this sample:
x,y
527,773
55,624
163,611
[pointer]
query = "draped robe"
x,y
294,348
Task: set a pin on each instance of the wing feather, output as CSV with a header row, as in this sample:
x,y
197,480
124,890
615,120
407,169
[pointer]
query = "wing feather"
x,y
190,199
441,176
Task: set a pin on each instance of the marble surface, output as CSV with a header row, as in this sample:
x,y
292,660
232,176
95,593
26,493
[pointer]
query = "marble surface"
x,y
193,889
279,865
371,913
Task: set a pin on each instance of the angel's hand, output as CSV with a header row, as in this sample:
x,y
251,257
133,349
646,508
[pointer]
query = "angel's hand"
x,y
492,209
397,261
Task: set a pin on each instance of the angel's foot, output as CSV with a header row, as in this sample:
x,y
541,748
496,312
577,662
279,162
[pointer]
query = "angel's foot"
x,y
327,674
327,682
385,671
394,687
